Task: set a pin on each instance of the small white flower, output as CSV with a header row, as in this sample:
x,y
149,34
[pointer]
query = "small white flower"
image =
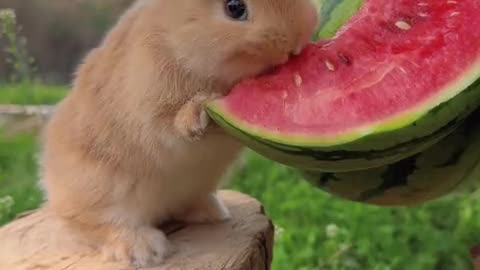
x,y
7,14
6,203
331,230
279,231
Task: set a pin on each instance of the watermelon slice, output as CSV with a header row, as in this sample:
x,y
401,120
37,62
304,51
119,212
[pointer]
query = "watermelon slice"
x,y
398,77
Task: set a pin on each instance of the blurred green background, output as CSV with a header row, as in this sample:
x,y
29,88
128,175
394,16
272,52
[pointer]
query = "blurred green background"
x,y
313,230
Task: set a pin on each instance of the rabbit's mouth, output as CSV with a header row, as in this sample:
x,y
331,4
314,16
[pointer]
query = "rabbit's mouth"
x,y
270,70
274,68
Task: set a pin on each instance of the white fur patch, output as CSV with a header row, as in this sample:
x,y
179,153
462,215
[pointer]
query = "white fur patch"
x,y
204,119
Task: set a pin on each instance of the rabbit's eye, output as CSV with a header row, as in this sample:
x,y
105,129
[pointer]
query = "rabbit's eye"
x,y
236,9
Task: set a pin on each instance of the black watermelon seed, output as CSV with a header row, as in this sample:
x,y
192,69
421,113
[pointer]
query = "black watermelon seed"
x,y
345,59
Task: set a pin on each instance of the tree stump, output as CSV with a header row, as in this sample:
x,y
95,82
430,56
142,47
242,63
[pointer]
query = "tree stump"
x,y
38,241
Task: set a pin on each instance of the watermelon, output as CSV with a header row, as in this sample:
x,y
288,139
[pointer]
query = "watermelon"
x,y
449,166
396,78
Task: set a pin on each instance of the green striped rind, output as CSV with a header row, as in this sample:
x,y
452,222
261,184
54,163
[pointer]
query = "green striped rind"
x,y
337,160
451,165
367,152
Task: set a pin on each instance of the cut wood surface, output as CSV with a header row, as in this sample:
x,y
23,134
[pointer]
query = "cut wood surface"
x,y
16,119
13,109
38,241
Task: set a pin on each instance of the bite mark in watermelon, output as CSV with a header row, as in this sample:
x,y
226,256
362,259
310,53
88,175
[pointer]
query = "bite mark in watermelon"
x,y
397,71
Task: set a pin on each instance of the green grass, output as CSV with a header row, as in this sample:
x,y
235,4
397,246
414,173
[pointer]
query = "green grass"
x,y
314,230
434,236
18,166
18,176
31,94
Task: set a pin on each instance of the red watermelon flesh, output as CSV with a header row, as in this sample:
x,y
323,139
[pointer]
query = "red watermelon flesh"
x,y
390,57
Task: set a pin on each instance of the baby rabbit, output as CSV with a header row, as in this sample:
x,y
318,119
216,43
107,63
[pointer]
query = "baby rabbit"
x,y
131,147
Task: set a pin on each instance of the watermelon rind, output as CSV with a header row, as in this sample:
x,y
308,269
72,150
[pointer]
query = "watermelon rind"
x,y
452,165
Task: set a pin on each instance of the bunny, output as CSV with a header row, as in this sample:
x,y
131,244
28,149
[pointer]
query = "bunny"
x,y
131,146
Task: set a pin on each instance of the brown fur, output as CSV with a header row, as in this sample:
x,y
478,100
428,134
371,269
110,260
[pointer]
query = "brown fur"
x,y
129,147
